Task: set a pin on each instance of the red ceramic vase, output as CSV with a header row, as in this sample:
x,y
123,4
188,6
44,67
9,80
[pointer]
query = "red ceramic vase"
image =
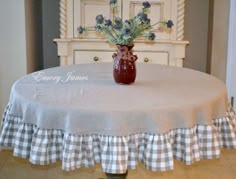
x,y
124,69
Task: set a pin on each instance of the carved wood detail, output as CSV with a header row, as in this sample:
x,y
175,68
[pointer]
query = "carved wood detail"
x,y
180,19
63,18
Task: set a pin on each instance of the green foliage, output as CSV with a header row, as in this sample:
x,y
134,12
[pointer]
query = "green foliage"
x,y
122,32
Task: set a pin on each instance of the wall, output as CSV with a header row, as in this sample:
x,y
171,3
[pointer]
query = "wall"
x,y
34,45
21,53
219,49
12,46
231,60
51,30
196,32
206,27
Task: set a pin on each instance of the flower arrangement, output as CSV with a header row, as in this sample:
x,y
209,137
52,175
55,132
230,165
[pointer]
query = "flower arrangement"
x,y
122,32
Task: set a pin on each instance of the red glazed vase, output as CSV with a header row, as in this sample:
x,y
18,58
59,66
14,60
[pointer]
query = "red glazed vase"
x,y
124,69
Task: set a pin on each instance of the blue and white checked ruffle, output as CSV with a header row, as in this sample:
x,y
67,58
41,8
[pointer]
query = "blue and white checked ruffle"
x,y
118,153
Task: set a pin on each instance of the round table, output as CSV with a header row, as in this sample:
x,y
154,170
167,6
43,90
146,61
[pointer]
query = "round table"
x,y
79,115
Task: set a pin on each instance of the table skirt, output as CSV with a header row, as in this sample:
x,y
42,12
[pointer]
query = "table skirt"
x,y
116,154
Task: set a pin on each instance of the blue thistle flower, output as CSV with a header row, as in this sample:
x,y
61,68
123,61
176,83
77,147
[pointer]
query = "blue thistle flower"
x,y
99,19
118,23
142,16
146,5
108,22
169,24
117,26
151,36
127,24
127,21
98,28
113,2
80,29
126,32
118,20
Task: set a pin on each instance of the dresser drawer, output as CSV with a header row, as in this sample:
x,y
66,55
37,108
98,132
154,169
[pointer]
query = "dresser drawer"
x,y
87,56
153,57
92,56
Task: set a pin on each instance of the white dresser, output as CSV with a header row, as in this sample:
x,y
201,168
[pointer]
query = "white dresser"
x,y
168,48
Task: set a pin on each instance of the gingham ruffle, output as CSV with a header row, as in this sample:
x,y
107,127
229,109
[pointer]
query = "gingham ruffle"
x,y
118,153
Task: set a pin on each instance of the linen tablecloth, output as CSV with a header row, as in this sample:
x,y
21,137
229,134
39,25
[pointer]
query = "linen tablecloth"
x,y
77,114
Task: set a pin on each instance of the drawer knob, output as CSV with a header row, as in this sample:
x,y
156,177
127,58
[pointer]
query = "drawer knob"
x,y
95,58
146,60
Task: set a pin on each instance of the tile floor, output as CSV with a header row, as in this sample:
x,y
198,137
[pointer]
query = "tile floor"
x,y
17,168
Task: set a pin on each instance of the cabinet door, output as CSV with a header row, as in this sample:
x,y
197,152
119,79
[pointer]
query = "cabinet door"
x,y
160,10
85,12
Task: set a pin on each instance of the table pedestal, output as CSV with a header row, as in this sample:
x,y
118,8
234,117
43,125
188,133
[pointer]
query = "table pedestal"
x,y
117,176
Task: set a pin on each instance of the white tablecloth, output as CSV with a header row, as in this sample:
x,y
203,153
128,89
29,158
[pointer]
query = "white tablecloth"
x,y
162,98
168,113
